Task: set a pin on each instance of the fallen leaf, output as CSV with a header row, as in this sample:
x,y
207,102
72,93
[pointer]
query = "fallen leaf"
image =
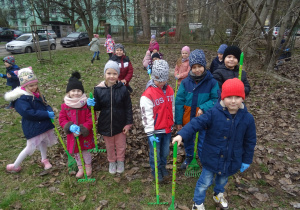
x,y
269,177
82,198
285,181
261,197
127,191
122,205
117,179
52,180
103,202
183,207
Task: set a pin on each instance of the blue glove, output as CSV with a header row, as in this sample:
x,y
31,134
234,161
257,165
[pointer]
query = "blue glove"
x,y
51,115
176,78
149,71
75,129
91,102
89,44
1,75
244,167
152,138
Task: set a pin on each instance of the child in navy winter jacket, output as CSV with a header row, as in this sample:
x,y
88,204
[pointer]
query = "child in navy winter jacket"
x,y
219,59
157,110
228,145
11,77
36,123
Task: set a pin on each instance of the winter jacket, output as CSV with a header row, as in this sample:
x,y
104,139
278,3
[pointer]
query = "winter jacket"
x,y
215,64
81,117
95,44
157,109
151,61
182,71
35,119
192,96
109,44
126,69
147,59
228,142
115,108
153,45
14,80
223,73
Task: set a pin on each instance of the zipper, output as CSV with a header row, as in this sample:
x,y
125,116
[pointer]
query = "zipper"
x,y
111,111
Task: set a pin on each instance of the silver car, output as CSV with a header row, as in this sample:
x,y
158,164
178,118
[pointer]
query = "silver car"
x,y
24,44
50,32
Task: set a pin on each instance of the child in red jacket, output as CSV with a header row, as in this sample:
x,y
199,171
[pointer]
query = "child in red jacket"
x,y
157,109
76,119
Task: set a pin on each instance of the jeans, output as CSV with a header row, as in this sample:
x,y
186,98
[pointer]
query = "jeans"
x,y
162,148
189,144
96,54
205,180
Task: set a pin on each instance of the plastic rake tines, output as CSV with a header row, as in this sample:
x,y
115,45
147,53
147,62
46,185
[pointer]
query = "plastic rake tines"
x,y
96,149
156,178
193,169
82,163
172,206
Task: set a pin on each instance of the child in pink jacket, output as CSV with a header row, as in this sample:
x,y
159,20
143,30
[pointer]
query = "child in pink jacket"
x,y
182,66
110,45
76,119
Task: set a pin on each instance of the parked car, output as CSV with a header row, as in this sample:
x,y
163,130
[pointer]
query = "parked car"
x,y
50,32
9,35
75,39
24,44
171,32
3,29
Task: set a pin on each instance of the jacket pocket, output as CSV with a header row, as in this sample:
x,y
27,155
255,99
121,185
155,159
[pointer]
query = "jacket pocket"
x,y
210,157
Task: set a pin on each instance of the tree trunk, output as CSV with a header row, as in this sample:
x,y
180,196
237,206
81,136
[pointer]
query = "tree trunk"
x,y
145,19
181,21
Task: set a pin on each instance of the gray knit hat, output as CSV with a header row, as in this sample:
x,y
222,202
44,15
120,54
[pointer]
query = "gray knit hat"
x,y
119,46
112,65
197,57
160,71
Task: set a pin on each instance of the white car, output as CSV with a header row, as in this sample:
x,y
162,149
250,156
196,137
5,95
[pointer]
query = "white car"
x,y
24,44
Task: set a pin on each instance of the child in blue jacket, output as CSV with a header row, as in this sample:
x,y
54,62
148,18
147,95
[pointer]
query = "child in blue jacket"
x,y
11,77
228,145
36,123
197,93
219,59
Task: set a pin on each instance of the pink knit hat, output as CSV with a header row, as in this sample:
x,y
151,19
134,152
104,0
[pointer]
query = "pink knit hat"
x,y
108,36
96,36
186,49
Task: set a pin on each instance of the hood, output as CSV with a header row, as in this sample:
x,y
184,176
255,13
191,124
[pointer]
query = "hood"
x,y
68,38
151,83
117,85
15,94
17,43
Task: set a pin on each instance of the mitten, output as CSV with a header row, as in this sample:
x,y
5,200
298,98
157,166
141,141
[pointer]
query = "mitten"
x,y
149,71
51,115
152,138
91,102
1,75
75,129
244,167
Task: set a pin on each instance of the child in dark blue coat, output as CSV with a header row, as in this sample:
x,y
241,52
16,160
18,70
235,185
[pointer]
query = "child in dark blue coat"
x,y
228,145
11,77
219,59
36,123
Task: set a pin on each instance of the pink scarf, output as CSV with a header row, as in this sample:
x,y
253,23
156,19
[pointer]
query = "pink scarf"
x,y
75,102
36,94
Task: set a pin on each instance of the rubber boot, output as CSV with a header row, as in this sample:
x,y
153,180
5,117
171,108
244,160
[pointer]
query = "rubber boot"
x,y
92,61
98,58
186,162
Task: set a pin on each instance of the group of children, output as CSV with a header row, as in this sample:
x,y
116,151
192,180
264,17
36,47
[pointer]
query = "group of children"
x,y
208,103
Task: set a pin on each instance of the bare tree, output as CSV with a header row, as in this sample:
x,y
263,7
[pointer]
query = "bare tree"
x,y
42,9
182,26
3,18
145,18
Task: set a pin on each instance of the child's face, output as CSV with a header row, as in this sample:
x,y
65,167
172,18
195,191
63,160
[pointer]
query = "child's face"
x,y
160,84
32,87
111,77
154,59
197,69
184,54
154,51
119,52
220,56
7,64
75,93
230,61
233,103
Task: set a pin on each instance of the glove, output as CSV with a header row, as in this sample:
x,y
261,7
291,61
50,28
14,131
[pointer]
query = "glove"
x,y
149,71
51,115
176,78
244,167
75,129
89,44
1,75
152,138
91,102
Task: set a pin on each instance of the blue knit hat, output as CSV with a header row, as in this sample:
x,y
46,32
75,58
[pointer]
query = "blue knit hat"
x,y
197,57
222,48
119,46
9,59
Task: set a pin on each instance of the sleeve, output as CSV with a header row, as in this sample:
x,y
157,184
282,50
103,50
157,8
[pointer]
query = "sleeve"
x,y
249,142
97,106
212,66
105,44
176,71
128,108
147,115
92,42
29,113
87,125
179,104
64,121
213,98
4,76
14,77
219,77
184,74
246,83
129,73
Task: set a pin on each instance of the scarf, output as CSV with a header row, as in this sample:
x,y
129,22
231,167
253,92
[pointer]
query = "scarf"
x,y
197,79
75,102
184,59
36,94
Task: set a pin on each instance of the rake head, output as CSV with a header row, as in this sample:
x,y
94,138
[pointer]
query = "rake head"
x,y
172,207
160,203
86,180
193,171
95,150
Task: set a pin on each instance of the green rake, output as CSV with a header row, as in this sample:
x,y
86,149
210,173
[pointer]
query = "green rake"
x,y
72,165
156,178
96,149
176,84
241,65
193,169
83,166
172,207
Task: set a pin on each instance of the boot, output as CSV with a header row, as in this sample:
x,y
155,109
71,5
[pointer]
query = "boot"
x,y
186,162
46,163
92,61
80,172
160,177
88,169
98,58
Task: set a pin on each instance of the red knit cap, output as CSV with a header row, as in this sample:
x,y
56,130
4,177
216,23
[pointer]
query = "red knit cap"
x,y
233,87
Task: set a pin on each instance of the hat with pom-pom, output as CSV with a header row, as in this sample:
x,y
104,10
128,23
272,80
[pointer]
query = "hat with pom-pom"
x,y
9,59
26,76
74,82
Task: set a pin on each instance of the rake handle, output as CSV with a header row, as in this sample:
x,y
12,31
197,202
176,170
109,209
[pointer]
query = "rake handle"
x,y
241,65
59,137
174,174
94,123
196,144
81,158
156,171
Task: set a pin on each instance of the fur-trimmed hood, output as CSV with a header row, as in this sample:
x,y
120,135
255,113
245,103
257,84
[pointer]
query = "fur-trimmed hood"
x,y
15,94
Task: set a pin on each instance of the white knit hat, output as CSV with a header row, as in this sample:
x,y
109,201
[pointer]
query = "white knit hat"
x,y
160,71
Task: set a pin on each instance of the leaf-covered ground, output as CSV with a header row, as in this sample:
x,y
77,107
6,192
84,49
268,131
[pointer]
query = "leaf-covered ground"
x,y
272,181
